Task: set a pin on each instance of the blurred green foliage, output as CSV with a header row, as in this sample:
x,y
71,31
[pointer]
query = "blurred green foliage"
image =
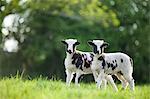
x,y
124,24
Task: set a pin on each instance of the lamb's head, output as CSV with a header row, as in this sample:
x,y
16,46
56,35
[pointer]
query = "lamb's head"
x,y
71,45
98,46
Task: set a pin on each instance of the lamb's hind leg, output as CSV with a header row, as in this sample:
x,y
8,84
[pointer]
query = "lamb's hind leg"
x,y
123,81
130,80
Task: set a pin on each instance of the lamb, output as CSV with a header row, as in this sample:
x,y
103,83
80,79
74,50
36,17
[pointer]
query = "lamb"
x,y
80,63
118,64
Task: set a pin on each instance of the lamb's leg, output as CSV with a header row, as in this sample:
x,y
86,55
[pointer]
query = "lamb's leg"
x,y
95,75
99,79
69,77
111,81
123,81
77,78
104,83
130,80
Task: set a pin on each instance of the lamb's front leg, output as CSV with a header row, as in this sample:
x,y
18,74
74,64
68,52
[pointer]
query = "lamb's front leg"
x,y
69,77
77,78
100,78
104,83
110,79
95,74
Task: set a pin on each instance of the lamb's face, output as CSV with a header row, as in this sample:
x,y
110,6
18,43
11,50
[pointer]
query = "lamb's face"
x,y
71,45
98,46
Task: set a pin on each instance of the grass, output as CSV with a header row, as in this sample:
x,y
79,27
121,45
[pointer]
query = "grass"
x,y
17,88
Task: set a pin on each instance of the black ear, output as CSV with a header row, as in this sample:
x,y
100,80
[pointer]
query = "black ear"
x,y
105,45
63,41
90,43
77,43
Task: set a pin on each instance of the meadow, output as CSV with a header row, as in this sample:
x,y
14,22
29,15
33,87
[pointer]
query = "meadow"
x,y
41,88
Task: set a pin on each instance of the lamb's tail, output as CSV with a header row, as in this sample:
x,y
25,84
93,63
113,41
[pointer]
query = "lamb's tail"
x,y
131,60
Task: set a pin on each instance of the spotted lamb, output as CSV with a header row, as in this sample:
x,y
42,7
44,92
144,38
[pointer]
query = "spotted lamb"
x,y
118,64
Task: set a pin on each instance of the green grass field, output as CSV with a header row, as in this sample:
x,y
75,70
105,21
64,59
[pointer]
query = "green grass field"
x,y
17,88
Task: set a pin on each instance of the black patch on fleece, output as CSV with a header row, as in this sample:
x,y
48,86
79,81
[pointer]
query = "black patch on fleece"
x,y
112,65
116,64
91,55
88,63
131,61
120,73
77,60
101,58
110,74
121,60
113,61
108,65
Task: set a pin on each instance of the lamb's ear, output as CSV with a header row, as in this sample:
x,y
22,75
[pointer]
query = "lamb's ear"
x,y
77,43
63,41
105,45
90,43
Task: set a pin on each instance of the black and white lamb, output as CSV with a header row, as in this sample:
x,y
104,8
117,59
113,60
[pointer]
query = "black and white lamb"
x,y
118,64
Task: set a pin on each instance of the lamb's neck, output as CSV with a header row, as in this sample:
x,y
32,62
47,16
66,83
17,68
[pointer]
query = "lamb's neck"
x,y
96,56
69,55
